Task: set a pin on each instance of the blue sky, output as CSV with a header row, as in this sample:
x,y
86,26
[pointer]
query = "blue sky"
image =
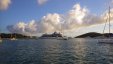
x,y
27,10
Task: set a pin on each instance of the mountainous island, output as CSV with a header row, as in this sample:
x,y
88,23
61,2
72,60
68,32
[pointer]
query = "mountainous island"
x,y
53,35
95,35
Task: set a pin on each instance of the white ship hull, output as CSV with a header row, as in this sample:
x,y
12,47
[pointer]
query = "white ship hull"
x,y
0,40
13,39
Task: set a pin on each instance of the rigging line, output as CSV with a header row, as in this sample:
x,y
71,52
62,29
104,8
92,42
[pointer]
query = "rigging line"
x,y
105,26
109,21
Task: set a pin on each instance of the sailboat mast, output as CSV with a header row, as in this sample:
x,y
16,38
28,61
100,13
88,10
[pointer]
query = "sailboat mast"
x,y
109,21
105,25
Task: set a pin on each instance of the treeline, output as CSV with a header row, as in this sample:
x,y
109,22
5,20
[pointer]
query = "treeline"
x,y
15,35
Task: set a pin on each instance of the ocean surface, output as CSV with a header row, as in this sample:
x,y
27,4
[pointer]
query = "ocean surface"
x,y
53,51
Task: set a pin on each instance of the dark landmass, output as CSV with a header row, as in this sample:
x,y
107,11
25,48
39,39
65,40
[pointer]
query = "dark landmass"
x,y
14,35
94,34
53,35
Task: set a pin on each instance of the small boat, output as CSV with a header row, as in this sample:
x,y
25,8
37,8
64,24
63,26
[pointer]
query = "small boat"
x,y
13,38
108,40
0,38
65,38
62,38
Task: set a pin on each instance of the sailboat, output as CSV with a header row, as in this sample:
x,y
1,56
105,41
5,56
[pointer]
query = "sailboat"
x,y
108,40
63,37
13,38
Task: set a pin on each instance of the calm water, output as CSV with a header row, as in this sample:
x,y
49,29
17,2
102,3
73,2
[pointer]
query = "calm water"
x,y
51,51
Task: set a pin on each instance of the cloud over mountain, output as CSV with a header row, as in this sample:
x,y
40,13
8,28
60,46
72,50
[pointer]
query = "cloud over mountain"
x,y
4,4
23,28
75,18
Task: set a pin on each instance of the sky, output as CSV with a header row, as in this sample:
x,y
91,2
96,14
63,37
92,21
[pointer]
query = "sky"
x,y
71,17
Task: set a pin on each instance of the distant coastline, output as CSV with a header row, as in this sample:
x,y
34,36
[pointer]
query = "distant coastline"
x,y
55,35
95,35
11,35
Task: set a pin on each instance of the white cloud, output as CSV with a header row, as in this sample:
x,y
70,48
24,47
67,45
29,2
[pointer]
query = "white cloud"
x,y
50,22
80,17
40,2
24,28
77,13
4,4
74,19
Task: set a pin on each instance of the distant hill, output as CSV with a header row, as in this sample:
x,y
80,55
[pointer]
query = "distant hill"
x,y
9,35
53,35
94,34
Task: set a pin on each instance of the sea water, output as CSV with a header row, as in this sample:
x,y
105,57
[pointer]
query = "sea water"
x,y
53,51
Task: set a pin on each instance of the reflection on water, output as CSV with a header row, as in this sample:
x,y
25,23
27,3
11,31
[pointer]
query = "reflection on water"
x,y
52,51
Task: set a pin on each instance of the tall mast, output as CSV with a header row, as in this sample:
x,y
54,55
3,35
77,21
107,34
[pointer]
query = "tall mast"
x,y
109,21
105,26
